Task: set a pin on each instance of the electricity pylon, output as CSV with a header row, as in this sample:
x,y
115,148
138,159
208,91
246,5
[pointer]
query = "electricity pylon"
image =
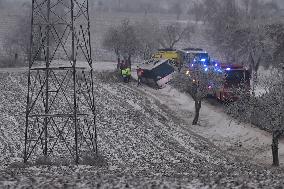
x,y
60,111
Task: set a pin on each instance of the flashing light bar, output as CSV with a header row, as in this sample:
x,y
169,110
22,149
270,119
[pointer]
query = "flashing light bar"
x,y
228,69
206,69
216,64
203,60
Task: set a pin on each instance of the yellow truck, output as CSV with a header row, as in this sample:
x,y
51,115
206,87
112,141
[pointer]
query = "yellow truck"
x,y
170,54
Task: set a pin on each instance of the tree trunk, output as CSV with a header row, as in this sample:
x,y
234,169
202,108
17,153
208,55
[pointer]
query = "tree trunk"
x,y
197,110
16,59
254,66
145,12
118,62
119,3
178,16
254,80
129,61
125,60
274,146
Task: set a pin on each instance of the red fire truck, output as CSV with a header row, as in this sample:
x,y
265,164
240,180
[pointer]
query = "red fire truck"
x,y
236,77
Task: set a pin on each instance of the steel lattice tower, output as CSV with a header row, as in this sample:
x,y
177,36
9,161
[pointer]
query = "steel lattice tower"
x,y
60,111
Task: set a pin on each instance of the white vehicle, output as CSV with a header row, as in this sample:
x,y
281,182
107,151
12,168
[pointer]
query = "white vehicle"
x,y
157,73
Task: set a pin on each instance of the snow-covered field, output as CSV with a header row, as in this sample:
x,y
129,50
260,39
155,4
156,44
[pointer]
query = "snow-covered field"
x,y
145,140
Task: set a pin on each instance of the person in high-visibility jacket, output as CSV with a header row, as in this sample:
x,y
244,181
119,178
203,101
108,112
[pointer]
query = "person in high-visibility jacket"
x,y
124,74
128,73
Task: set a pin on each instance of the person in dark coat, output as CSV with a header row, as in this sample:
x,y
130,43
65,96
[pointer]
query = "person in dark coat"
x,y
139,75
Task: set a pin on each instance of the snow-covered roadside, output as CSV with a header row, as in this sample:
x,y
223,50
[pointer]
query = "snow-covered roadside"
x,y
142,141
236,138
215,125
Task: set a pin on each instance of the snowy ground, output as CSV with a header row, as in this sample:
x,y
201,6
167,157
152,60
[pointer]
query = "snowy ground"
x,y
243,140
236,138
146,140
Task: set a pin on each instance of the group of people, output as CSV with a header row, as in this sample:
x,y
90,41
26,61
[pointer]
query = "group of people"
x,y
125,72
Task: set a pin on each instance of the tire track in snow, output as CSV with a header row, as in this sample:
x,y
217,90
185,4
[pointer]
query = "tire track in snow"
x,y
133,90
130,137
175,114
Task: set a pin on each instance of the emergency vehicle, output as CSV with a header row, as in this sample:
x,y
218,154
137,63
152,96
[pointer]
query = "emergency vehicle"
x,y
190,57
236,76
233,77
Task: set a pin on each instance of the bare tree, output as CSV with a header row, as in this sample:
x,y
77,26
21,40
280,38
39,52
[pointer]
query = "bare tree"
x,y
1,3
264,111
273,103
209,10
119,4
254,47
270,8
246,4
148,35
146,6
276,33
112,41
222,26
173,33
255,9
123,41
197,10
251,41
205,81
16,43
242,39
130,44
177,9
